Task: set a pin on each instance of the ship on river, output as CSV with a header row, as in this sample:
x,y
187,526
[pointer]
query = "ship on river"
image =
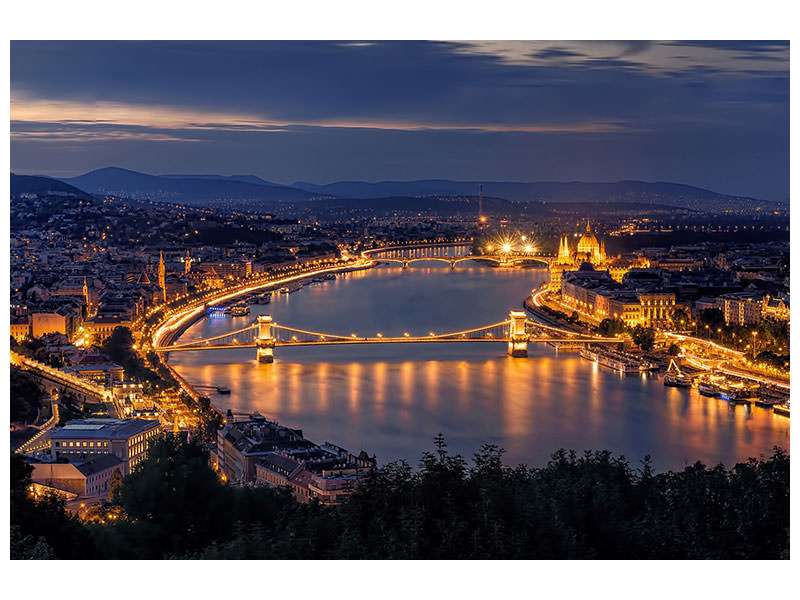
x,y
674,377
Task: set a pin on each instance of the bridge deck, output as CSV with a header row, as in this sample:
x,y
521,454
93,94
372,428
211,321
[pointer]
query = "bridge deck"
x,y
402,340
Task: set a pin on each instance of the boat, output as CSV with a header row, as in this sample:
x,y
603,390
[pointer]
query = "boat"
x,y
781,409
674,377
223,390
264,298
240,310
612,360
711,385
733,396
766,402
329,276
284,290
708,389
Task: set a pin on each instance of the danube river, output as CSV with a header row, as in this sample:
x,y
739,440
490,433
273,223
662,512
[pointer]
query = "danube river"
x,y
391,400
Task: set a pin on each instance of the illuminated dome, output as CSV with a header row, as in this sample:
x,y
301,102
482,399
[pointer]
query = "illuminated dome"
x,y
588,243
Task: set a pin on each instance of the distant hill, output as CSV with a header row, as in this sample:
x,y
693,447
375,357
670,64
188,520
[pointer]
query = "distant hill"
x,y
192,189
30,185
663,193
254,192
245,178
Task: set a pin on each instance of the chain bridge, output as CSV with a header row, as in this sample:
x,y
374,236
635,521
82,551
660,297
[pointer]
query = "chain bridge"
x,y
451,253
265,335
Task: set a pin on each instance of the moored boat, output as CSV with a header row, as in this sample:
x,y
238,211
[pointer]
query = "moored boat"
x,y
240,310
781,409
708,389
674,377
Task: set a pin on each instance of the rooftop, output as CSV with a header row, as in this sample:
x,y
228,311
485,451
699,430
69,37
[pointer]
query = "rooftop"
x,y
102,428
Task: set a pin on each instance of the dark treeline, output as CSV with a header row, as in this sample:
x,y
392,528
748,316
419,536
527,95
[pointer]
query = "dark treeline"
x,y
590,505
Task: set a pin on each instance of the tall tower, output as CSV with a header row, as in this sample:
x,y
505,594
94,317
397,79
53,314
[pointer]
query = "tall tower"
x,y
563,251
481,218
162,277
86,296
187,263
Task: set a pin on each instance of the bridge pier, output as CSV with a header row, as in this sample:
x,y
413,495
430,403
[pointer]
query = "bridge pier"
x,y
405,264
518,338
452,264
265,341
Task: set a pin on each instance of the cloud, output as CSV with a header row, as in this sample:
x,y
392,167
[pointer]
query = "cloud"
x,y
35,119
654,57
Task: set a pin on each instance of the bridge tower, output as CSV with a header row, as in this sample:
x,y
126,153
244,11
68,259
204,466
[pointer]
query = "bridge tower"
x,y
265,341
517,338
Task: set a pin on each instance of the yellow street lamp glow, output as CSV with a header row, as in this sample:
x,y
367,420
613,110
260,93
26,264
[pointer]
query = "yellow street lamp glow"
x,y
506,247
528,248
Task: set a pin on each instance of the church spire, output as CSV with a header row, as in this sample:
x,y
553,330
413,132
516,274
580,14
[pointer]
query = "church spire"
x,y
563,250
86,295
588,230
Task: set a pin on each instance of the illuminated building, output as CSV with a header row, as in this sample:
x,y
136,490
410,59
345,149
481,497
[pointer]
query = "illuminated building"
x,y
742,308
85,479
639,300
102,325
776,308
588,250
127,439
20,328
63,319
326,473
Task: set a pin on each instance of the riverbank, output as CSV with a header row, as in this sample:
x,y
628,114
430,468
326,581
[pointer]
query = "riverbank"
x,y
177,322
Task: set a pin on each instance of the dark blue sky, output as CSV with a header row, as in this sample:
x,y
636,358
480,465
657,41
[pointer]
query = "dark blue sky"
x,y
712,114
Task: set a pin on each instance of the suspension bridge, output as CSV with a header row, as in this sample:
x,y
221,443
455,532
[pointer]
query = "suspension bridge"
x,y
452,253
517,331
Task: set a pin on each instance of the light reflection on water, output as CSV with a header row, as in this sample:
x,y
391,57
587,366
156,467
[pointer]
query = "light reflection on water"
x,y
391,400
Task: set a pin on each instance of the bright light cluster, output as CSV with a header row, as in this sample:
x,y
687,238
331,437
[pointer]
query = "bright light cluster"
x,y
511,244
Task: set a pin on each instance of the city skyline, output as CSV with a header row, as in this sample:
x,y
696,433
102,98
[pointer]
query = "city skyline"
x,y
399,300
709,114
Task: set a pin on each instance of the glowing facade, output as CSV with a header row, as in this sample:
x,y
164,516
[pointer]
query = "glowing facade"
x,y
591,250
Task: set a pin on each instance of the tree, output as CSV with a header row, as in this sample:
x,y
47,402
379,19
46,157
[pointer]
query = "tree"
x,y
119,348
43,527
115,487
644,337
612,327
679,318
674,350
176,498
25,396
713,317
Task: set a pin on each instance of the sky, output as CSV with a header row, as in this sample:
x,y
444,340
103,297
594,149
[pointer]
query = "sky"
x,y
712,114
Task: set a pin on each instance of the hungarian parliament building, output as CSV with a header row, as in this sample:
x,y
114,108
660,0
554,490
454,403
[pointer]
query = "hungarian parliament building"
x,y
599,287
589,250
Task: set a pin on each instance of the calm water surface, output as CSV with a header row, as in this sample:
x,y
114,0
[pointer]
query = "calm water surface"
x,y
392,400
